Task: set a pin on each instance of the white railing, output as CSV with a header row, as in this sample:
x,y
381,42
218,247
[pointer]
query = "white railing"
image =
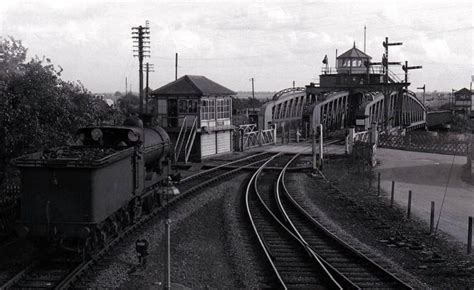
x,y
248,127
259,138
179,142
189,143
363,136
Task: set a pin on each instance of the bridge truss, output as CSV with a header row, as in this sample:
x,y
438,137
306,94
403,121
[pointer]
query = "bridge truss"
x,y
385,106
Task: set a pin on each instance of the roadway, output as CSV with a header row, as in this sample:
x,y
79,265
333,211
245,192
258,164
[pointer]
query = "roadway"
x,y
426,174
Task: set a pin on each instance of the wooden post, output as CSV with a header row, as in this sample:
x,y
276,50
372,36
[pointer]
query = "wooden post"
x,y
167,255
432,214
321,149
469,236
314,148
241,140
409,204
392,195
378,183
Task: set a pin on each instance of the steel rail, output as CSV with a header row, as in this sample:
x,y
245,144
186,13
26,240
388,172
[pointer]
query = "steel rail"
x,y
343,280
253,184
77,271
222,166
318,226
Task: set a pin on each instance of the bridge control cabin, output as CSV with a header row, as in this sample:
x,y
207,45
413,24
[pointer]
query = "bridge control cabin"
x,y
360,93
196,112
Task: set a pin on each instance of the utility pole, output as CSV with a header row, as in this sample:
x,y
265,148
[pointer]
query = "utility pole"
x,y
141,36
253,94
176,67
385,64
365,34
452,102
126,86
149,68
424,90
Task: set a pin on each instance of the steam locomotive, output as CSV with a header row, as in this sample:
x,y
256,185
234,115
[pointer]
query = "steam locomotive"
x,y
81,196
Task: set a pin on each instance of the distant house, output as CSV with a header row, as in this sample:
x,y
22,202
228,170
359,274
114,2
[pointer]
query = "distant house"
x,y
463,102
198,112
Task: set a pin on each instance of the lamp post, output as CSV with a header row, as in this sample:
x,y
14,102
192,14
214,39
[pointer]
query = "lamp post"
x,y
169,190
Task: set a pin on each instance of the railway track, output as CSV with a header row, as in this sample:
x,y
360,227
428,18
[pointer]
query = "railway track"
x,y
194,181
293,263
62,271
355,269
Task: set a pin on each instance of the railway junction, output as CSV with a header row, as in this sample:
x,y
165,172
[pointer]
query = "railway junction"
x,y
325,190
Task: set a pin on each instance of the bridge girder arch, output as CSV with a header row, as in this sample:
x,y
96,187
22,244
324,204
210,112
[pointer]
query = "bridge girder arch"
x,y
286,107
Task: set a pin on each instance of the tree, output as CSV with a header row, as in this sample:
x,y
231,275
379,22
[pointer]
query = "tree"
x,y
37,108
129,104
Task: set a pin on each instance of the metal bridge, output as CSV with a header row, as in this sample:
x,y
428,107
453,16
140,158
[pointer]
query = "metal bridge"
x,y
338,108
356,93
285,108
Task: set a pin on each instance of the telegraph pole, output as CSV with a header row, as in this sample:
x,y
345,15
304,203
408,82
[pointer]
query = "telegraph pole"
x,y
149,68
141,40
176,67
126,86
365,36
253,94
385,64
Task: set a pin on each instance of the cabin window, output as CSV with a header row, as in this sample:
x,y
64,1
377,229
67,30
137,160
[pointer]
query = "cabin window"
x,y
223,108
208,109
183,106
188,106
228,108
212,109
204,109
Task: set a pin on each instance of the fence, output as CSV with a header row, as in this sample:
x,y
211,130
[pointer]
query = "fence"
x,y
424,143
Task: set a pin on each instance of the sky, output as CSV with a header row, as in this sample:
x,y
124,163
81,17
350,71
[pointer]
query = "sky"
x,y
231,42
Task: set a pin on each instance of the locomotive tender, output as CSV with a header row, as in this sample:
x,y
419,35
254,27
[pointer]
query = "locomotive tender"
x,y
84,194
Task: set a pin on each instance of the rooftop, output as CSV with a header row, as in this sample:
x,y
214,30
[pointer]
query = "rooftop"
x,y
193,85
354,52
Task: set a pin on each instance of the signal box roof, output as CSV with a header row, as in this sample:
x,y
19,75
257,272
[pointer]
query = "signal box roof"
x,y
463,91
193,85
354,52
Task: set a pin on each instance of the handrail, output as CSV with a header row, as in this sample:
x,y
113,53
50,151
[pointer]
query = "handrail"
x,y
190,141
393,76
176,153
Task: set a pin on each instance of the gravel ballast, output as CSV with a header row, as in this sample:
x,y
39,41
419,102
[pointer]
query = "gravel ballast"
x,y
199,249
402,243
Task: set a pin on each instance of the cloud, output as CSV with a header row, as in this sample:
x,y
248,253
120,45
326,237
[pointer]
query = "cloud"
x,y
233,41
